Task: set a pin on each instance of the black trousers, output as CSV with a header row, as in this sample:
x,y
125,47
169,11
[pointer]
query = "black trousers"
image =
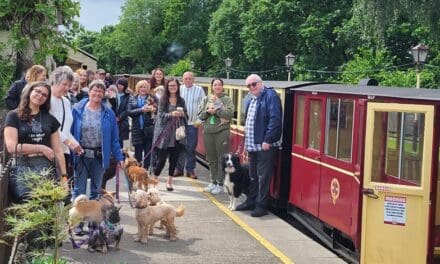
x,y
161,157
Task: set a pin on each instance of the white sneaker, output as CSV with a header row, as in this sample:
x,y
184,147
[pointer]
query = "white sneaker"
x,y
218,189
210,187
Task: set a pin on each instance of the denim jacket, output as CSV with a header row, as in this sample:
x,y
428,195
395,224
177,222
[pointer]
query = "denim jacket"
x,y
110,134
268,124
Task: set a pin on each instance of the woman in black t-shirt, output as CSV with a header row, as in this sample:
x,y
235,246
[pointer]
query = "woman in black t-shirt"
x,y
30,130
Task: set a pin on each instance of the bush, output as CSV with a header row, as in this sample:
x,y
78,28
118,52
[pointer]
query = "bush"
x,y
43,211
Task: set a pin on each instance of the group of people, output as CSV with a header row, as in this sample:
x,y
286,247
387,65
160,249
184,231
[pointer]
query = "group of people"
x,y
82,121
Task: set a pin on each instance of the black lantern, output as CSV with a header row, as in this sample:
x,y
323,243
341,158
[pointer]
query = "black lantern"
x,y
228,63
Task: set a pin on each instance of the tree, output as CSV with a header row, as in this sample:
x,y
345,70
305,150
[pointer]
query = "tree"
x,y
43,26
378,15
224,33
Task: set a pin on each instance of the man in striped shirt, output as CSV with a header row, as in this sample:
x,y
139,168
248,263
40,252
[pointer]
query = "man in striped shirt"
x,y
193,95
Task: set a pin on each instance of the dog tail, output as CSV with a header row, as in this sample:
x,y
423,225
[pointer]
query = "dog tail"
x,y
79,199
180,210
152,181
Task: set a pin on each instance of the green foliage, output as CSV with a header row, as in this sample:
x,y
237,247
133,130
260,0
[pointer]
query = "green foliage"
x,y
179,68
47,260
366,64
43,26
224,33
86,39
378,15
361,37
44,210
6,73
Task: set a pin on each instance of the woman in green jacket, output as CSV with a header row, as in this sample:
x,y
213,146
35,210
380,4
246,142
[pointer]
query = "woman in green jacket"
x,y
216,111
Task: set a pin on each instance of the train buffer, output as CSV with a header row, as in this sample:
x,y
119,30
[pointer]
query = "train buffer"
x,y
207,233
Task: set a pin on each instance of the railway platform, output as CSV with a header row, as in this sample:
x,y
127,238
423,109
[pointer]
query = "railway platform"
x,y
207,233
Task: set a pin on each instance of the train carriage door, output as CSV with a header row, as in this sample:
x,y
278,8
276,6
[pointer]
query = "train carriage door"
x,y
396,186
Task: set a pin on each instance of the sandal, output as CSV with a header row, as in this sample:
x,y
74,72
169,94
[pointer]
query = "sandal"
x,y
170,188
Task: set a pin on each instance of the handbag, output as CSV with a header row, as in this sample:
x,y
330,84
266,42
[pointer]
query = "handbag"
x,y
180,131
18,188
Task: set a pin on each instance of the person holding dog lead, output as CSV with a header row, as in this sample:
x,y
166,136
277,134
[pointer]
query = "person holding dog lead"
x,y
171,114
94,127
142,109
216,110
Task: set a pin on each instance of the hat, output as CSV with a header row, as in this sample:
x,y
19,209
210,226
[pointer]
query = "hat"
x,y
100,71
123,82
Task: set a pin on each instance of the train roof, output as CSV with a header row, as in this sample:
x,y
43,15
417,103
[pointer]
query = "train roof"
x,y
377,91
241,82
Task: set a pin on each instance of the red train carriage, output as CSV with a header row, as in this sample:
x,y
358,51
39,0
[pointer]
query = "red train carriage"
x,y
364,169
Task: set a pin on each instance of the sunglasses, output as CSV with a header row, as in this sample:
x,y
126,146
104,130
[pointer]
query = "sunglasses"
x,y
252,84
40,93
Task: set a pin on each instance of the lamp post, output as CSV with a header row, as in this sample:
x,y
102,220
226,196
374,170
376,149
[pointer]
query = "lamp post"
x,y
420,54
290,60
192,64
228,63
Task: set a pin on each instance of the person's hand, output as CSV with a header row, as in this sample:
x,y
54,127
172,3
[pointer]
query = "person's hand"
x,y
265,146
211,110
75,147
47,152
121,164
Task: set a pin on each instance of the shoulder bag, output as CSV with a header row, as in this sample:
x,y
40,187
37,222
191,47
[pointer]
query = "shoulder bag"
x,y
18,188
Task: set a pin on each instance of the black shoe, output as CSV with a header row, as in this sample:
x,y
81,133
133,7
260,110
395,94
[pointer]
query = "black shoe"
x,y
170,188
245,207
258,212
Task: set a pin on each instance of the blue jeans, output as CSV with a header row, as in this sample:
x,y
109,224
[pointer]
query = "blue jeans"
x,y
88,168
192,134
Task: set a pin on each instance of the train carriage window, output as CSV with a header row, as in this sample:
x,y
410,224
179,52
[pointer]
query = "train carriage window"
x,y
398,147
339,128
300,105
315,118
245,96
234,96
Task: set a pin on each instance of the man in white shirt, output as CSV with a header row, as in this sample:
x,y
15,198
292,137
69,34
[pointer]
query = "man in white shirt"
x,y
193,95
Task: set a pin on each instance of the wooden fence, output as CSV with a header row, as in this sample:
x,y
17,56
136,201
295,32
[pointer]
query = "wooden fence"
x,y
4,176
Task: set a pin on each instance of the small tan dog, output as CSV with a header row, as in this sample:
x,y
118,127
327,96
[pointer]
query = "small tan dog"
x,y
147,215
154,199
138,175
84,209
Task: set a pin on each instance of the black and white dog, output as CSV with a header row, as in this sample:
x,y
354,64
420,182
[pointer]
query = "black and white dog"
x,y
236,178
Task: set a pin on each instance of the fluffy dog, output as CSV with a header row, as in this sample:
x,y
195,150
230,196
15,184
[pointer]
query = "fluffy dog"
x,y
236,178
147,215
154,199
84,209
138,175
108,232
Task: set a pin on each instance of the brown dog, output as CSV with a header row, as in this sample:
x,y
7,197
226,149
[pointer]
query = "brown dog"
x,y
137,175
84,209
147,215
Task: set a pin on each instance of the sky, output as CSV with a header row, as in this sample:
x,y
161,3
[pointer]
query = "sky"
x,y
95,14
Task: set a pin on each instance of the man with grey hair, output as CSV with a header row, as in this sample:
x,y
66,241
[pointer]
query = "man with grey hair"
x,y
263,128
193,95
